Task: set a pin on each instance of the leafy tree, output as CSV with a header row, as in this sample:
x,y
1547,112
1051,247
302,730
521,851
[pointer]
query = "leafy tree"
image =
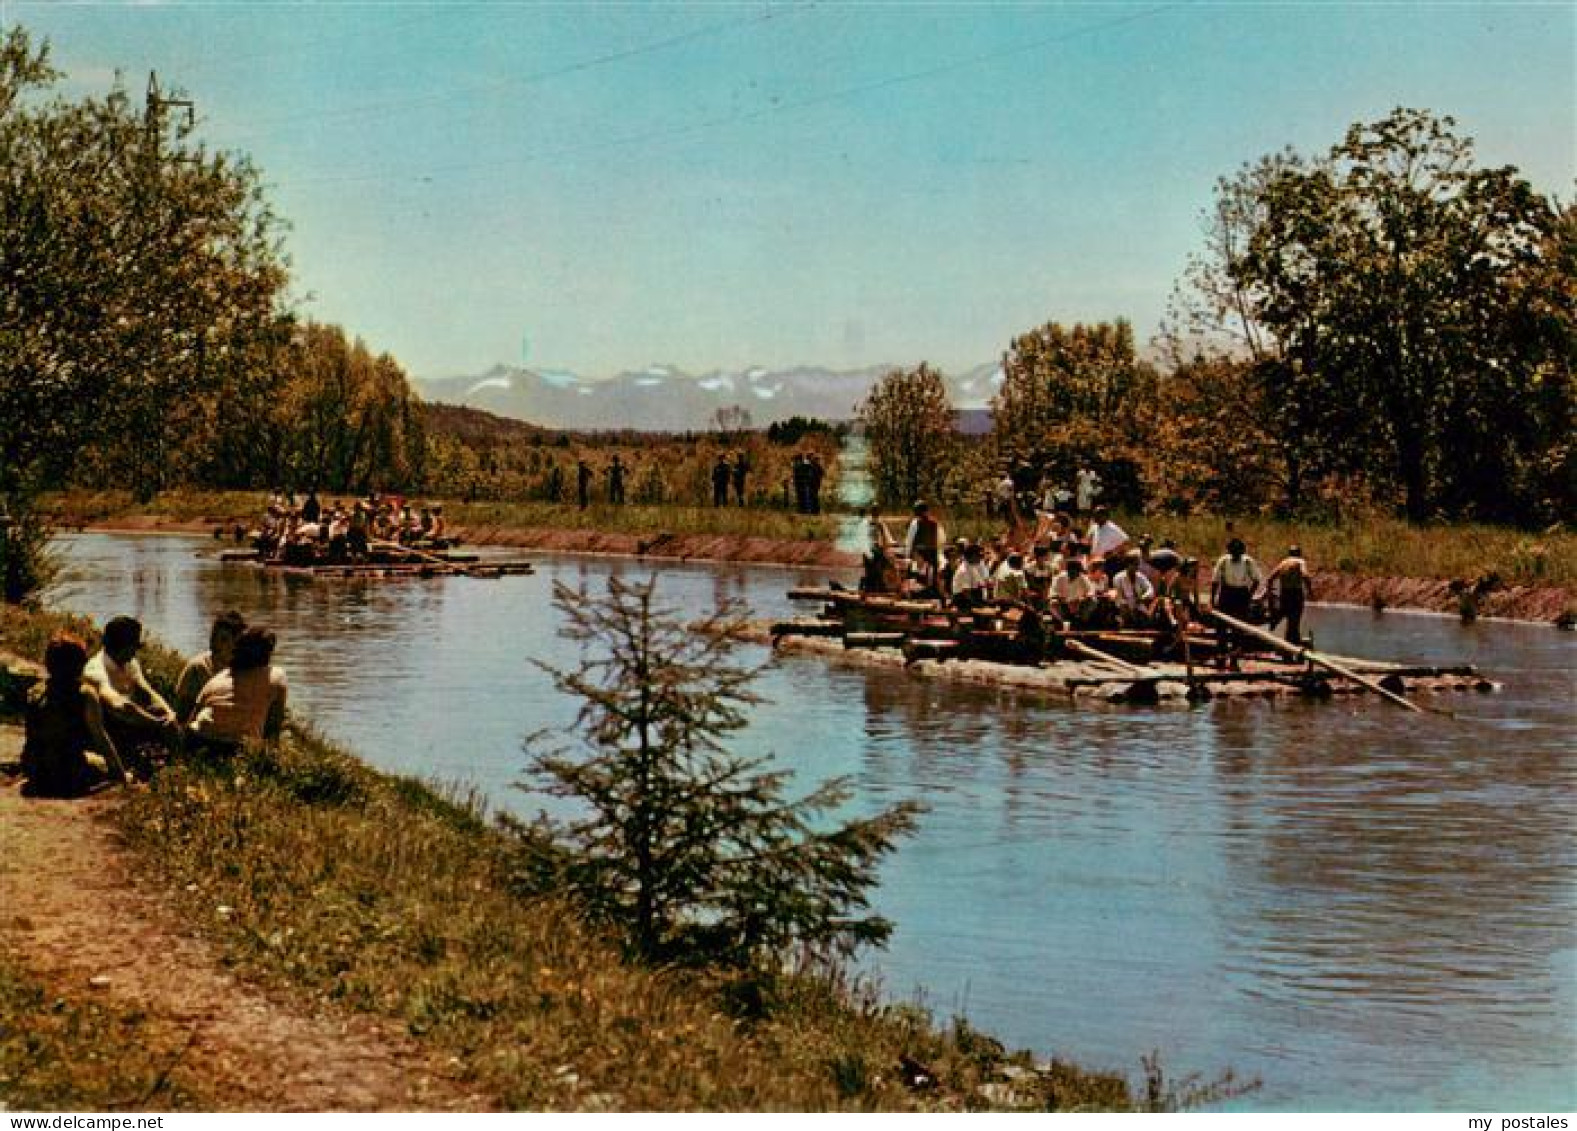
x,y
691,851
1077,395
908,421
1394,276
138,268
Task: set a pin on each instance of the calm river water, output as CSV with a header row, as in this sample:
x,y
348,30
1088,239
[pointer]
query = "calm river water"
x,y
1367,909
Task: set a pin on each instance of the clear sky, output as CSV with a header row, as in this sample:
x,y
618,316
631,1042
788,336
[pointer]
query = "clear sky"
x,y
722,185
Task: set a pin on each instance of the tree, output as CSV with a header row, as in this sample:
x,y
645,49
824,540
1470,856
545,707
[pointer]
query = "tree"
x,y
687,849
1392,274
908,422
137,269
1071,396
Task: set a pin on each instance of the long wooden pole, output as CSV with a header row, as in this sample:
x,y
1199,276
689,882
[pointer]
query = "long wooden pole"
x,y
1079,648
1312,657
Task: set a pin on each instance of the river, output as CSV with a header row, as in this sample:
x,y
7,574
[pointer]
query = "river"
x,y
1366,909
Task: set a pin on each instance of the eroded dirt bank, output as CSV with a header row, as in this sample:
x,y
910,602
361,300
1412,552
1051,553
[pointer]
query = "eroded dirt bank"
x,y
1518,602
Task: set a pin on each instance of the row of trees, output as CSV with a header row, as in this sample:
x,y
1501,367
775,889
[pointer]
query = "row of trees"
x,y
146,336
1386,320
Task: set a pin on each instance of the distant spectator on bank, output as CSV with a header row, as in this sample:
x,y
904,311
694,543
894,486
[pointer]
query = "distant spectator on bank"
x,y
246,701
227,628
556,484
616,482
813,477
1086,488
66,751
721,474
741,471
137,718
583,477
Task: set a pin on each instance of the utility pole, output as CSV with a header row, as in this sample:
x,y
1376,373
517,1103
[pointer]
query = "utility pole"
x,y
153,155
153,113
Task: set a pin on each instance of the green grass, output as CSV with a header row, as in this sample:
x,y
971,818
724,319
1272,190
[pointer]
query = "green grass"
x,y
365,892
643,521
1376,546
648,521
1387,547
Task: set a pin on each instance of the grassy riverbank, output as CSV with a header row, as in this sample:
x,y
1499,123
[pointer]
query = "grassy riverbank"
x,y
354,890
1378,560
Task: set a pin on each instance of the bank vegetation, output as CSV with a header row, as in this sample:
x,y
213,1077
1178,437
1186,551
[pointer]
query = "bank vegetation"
x,y
352,890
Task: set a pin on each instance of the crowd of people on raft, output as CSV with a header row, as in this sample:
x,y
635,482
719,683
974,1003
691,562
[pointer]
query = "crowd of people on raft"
x,y
96,721
1065,579
312,533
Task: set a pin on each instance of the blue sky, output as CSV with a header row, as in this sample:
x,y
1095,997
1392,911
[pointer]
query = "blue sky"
x,y
725,185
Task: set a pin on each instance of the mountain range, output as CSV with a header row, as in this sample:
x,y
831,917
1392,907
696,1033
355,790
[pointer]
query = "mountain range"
x,y
663,398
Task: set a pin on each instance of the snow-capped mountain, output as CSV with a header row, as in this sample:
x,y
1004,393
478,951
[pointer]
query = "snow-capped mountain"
x,y
663,398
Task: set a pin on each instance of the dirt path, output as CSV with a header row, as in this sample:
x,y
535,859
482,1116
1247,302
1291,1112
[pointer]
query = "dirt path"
x,y
84,927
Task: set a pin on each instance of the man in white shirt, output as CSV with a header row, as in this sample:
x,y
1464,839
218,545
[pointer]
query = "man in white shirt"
x,y
1010,584
135,715
972,579
1073,595
1134,594
1107,541
1232,586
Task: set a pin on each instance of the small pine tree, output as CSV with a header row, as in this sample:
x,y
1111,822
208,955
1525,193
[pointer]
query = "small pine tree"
x,y
690,851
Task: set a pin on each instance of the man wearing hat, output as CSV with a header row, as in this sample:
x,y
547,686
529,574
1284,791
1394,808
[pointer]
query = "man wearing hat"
x,y
921,544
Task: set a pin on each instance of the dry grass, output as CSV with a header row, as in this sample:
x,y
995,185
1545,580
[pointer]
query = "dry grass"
x,y
1374,545
59,1053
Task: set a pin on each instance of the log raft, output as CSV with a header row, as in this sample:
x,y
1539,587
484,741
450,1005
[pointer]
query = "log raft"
x,y
387,564
921,638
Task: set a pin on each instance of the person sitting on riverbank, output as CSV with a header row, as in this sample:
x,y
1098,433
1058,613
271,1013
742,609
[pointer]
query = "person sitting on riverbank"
x,y
139,721
244,702
227,629
1288,587
66,752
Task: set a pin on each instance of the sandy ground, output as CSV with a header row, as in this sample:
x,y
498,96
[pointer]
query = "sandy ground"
x,y
71,907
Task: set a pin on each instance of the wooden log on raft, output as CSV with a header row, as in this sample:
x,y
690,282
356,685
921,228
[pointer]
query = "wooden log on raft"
x,y
1142,686
874,639
806,628
1315,658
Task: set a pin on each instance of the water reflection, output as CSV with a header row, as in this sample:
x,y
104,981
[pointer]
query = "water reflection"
x,y
1369,910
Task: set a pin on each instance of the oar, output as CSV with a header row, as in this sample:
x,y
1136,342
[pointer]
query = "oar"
x,y
1314,658
380,543
1142,689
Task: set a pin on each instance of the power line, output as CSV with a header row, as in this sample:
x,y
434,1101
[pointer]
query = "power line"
x,y
376,109
669,133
